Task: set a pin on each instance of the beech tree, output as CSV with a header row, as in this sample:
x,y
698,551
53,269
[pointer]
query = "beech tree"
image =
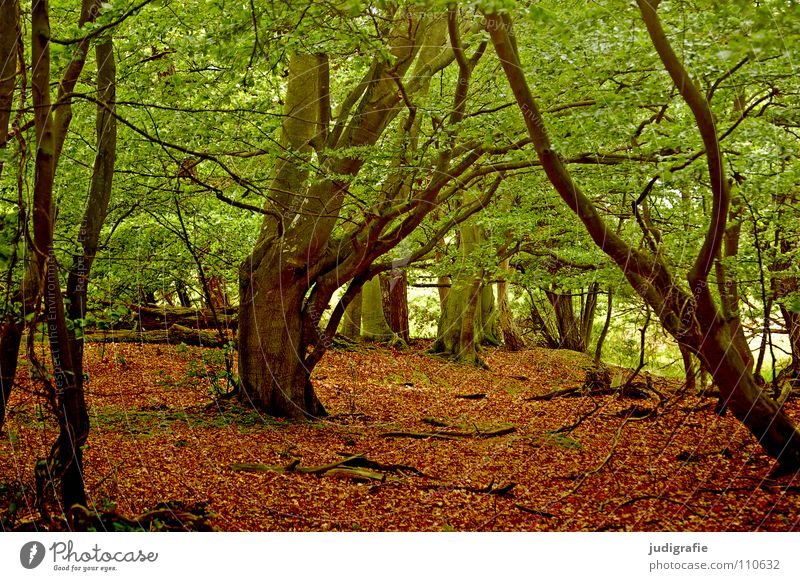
x,y
305,252
691,315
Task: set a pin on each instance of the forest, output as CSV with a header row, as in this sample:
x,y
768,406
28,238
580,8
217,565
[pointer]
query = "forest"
x,y
399,265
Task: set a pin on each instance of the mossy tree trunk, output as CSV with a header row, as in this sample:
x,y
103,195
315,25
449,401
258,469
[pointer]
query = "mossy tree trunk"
x,y
350,327
374,326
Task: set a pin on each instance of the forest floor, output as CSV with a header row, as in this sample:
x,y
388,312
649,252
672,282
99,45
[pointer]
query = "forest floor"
x,y
499,462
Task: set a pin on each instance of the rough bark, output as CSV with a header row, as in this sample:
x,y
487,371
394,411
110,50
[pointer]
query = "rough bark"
x,y
394,289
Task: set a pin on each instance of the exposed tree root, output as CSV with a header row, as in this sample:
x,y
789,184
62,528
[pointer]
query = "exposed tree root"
x,y
490,489
357,467
166,516
529,510
454,431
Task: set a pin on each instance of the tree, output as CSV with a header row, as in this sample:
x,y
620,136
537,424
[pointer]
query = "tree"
x,y
305,251
692,318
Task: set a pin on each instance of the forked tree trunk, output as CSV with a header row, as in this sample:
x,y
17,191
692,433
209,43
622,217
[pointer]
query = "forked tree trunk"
x,y
272,347
569,326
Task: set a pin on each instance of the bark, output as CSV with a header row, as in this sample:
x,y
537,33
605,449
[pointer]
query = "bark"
x,y
301,259
351,322
460,329
488,316
97,203
273,345
65,462
153,318
598,350
569,326
12,327
692,319
394,289
587,313
512,340
9,24
374,326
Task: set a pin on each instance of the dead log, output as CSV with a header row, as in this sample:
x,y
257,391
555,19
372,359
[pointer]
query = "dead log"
x,y
160,317
175,334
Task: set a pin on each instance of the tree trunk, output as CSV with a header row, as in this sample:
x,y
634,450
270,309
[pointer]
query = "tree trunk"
x,y
374,326
587,313
598,350
97,203
11,328
394,290
10,339
351,321
460,329
569,326
65,462
488,317
688,367
273,345
511,337
692,318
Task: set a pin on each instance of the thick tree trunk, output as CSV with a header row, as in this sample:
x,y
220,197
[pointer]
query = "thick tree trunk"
x,y
461,326
569,326
351,321
394,289
511,337
272,346
10,339
374,326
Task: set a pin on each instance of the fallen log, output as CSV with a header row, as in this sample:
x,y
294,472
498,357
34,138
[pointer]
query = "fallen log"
x,y
174,335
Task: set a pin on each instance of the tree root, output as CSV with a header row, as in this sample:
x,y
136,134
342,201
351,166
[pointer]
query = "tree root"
x,y
534,511
354,467
490,489
454,431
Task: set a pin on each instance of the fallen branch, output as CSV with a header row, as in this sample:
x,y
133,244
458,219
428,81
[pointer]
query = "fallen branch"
x,y
356,467
634,500
452,435
490,489
534,511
